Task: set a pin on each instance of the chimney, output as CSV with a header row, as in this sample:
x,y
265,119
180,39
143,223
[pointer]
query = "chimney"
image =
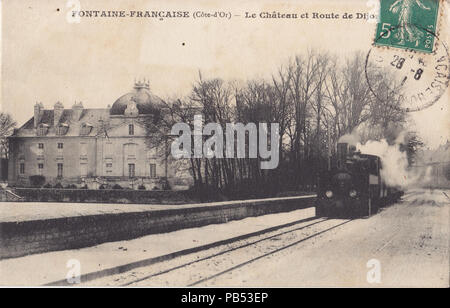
x,y
57,113
77,110
342,152
38,111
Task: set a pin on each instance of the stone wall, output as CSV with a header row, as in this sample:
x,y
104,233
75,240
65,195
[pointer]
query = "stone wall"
x,y
103,195
38,236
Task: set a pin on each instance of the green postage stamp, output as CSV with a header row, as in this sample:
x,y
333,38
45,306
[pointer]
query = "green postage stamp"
x,y
408,24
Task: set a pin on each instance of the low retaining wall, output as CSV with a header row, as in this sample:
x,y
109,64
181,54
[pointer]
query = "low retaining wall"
x,y
9,196
103,195
37,236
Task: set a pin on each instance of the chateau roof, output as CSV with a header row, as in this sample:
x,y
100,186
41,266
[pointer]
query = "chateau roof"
x,y
88,116
146,102
74,118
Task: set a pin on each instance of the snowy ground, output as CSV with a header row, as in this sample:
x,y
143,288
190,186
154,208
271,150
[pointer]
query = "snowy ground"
x,y
409,243
26,211
405,245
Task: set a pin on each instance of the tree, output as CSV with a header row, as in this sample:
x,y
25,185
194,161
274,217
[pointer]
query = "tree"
x,y
349,94
412,145
387,118
306,77
7,125
315,99
158,126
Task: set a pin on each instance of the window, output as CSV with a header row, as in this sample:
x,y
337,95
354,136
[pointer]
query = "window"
x,y
130,150
108,150
131,170
83,149
86,128
42,130
153,170
40,151
59,130
40,169
60,146
373,166
131,129
22,168
60,170
83,170
108,166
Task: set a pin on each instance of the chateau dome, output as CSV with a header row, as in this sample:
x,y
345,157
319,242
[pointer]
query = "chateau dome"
x,y
146,102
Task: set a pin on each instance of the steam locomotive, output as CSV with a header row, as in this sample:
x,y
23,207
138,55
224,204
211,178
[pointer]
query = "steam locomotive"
x,y
353,186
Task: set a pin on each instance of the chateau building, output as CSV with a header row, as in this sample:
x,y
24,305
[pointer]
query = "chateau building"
x,y
92,147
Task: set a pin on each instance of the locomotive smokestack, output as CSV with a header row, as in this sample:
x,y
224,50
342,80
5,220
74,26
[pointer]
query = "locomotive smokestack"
x,y
341,152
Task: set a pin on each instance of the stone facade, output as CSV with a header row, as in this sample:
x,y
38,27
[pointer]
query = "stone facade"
x,y
92,146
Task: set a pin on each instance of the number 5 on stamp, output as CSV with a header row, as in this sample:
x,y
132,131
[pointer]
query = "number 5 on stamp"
x,y
408,24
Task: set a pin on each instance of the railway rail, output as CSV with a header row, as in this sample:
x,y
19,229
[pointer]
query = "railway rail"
x,y
226,256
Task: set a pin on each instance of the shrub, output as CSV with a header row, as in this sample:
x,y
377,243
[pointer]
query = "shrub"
x,y
141,187
37,180
84,186
103,186
71,186
48,185
164,183
58,185
117,186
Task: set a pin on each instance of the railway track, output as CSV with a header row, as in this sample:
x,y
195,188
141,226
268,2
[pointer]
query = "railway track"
x,y
266,254
205,265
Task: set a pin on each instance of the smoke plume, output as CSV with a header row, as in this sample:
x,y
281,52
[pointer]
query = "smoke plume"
x,y
351,139
395,170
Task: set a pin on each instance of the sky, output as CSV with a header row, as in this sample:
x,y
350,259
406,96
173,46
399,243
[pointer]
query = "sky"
x,y
46,57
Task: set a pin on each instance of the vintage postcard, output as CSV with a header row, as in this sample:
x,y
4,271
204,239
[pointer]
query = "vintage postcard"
x,y
194,143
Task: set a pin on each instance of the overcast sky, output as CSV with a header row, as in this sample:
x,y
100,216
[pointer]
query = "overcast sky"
x,y
45,58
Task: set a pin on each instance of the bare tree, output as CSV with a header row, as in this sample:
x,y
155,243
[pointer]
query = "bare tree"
x,y
349,94
387,118
7,125
306,84
315,99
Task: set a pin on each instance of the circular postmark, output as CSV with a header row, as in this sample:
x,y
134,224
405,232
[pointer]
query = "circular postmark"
x,y
409,80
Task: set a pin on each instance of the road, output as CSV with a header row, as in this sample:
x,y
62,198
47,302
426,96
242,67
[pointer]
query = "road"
x,y
405,245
